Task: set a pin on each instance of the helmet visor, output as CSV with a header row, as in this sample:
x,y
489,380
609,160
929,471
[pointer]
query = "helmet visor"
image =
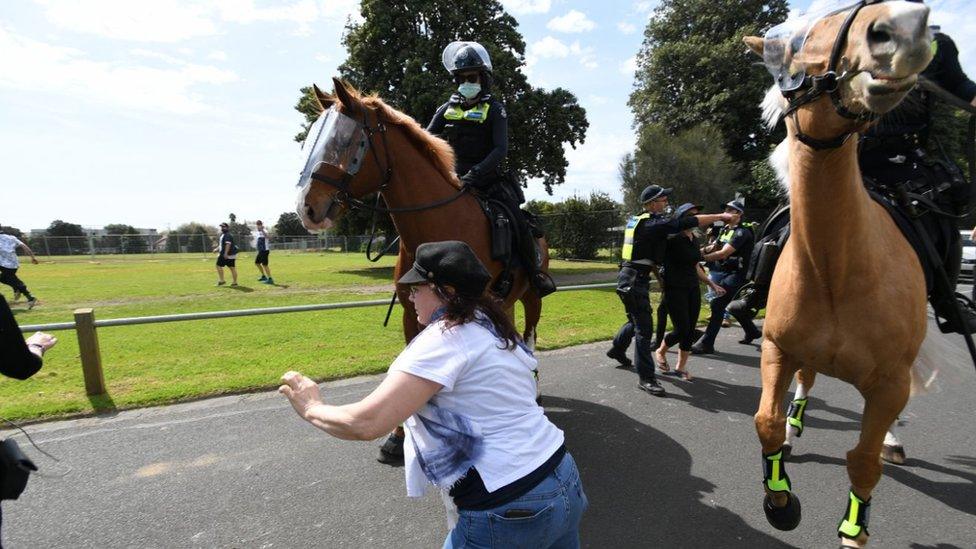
x,y
451,53
334,140
785,40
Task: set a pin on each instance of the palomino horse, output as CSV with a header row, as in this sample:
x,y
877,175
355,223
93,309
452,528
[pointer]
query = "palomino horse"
x,y
848,297
414,172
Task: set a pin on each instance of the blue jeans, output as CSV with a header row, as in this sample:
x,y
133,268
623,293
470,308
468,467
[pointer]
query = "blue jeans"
x,y
557,504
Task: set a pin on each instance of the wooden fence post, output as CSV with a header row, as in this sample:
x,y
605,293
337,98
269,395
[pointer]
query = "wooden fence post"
x,y
91,356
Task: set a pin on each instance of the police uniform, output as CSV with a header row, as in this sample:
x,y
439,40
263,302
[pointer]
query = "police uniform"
x,y
645,241
728,273
893,152
476,126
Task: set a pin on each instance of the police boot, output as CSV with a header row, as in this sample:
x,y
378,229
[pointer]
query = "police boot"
x,y
532,256
959,321
543,283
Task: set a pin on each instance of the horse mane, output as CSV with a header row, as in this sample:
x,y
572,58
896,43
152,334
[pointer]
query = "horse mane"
x,y
773,105
437,150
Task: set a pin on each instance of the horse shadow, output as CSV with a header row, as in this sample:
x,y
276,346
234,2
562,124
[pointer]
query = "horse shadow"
x,y
958,495
639,484
376,273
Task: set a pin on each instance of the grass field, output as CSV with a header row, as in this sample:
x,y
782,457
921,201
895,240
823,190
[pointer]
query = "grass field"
x,y
157,363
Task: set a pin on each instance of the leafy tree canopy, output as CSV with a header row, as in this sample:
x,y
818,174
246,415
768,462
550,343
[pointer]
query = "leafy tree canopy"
x,y
289,224
63,228
693,68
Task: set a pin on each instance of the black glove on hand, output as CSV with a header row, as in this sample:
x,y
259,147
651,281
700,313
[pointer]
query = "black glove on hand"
x,y
472,178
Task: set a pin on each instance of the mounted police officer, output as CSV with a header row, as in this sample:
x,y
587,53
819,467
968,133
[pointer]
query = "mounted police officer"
x,y
892,153
727,264
476,126
645,240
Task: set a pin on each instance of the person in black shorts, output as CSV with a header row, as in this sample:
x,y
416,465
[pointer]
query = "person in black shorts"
x,y
226,255
263,246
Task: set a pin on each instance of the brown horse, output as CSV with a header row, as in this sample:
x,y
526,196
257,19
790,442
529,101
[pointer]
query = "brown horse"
x,y
848,297
414,172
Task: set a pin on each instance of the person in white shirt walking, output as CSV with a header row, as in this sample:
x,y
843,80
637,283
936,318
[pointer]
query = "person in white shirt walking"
x,y
465,392
263,245
10,263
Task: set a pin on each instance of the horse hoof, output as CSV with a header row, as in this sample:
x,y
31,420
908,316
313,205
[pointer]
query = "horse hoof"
x,y
787,451
783,518
893,454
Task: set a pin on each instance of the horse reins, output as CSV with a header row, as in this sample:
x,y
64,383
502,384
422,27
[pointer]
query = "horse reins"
x,y
345,197
828,83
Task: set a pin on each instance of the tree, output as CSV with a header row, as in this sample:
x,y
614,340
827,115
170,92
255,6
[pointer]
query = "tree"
x,y
693,68
62,238
240,232
692,162
12,231
120,238
289,224
396,52
191,237
579,227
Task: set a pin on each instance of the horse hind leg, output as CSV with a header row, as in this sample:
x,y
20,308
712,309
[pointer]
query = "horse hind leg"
x,y
782,508
893,451
532,305
882,404
805,378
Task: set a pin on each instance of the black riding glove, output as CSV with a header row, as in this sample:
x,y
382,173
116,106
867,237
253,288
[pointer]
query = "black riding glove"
x,y
472,178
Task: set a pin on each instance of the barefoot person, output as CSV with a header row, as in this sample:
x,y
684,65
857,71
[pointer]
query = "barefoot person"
x,y
464,390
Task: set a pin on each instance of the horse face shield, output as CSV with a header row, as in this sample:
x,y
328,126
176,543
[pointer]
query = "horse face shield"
x,y
333,140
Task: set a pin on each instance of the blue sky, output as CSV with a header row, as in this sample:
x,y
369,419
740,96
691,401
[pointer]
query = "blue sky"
x,y
159,113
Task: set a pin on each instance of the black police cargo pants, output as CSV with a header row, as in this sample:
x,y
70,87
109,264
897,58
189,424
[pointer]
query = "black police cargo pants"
x,y
633,287
10,278
731,282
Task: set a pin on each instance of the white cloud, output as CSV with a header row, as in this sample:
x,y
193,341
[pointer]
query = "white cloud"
x,y
525,7
644,6
574,21
548,47
323,58
35,66
157,21
585,55
626,28
593,166
629,66
176,21
217,55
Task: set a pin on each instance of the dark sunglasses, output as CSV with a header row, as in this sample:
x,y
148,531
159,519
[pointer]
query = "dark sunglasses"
x,y
462,78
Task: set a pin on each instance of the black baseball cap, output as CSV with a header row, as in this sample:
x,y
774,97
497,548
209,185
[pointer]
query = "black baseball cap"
x,y
450,263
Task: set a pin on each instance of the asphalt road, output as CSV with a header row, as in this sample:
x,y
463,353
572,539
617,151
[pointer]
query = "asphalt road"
x,y
684,471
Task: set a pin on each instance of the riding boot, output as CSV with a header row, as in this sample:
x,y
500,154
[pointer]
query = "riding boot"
x,y
540,279
947,318
543,283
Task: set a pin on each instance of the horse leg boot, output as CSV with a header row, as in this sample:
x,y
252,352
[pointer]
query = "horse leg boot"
x,y
882,404
805,379
782,508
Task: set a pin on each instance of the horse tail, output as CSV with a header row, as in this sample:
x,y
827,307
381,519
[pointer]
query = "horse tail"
x,y
940,357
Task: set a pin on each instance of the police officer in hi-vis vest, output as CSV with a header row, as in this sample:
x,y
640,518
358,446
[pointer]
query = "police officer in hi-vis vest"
x,y
476,126
645,239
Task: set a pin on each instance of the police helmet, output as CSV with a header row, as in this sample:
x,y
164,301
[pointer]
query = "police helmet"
x,y
653,192
463,56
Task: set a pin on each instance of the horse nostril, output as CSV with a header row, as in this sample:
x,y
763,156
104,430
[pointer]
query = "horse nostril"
x,y
879,33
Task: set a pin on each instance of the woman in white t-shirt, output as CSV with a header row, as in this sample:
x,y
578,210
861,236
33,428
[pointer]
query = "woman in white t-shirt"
x,y
465,392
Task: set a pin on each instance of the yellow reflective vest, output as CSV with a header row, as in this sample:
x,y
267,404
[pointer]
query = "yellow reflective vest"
x,y
627,251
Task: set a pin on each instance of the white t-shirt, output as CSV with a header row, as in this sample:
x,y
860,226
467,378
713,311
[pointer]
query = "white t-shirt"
x,y
491,387
8,251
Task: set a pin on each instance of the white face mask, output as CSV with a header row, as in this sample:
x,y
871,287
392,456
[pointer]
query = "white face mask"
x,y
469,90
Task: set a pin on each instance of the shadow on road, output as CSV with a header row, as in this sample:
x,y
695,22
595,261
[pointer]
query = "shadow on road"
x,y
640,487
958,495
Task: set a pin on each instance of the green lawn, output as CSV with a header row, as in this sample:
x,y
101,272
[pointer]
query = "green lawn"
x,y
150,364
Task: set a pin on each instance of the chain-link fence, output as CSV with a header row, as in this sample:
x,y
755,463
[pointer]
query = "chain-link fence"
x,y
47,245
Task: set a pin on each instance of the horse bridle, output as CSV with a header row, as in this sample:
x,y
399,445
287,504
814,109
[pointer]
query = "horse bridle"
x,y
344,195
828,83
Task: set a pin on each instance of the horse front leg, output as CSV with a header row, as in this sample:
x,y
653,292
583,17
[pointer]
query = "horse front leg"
x,y
782,508
882,404
805,378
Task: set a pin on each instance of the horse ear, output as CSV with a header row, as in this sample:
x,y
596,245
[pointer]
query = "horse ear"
x,y
755,44
325,100
346,97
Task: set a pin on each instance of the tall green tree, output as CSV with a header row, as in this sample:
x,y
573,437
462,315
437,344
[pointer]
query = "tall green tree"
x,y
693,68
692,162
289,224
579,227
191,237
124,239
62,238
396,52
